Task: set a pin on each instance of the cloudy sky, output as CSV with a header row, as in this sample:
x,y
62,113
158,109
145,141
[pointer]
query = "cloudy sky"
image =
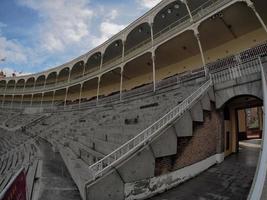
x,y
36,35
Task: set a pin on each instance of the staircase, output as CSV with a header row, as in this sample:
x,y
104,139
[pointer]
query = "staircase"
x,y
135,160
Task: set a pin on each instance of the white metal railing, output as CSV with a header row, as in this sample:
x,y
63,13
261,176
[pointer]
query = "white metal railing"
x,y
146,135
240,70
142,138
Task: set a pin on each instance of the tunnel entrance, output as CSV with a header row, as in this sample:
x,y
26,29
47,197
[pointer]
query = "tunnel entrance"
x,y
243,119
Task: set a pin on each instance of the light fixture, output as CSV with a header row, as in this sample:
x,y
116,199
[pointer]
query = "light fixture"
x,y
163,16
176,6
117,44
140,29
169,11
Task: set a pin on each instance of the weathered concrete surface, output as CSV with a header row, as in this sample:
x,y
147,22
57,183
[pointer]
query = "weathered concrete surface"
x,y
109,187
184,126
247,85
230,180
166,144
138,167
55,181
197,112
205,103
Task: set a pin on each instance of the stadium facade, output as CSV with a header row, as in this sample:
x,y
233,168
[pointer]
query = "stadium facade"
x,y
160,102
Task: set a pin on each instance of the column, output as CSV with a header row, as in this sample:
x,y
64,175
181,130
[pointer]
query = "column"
x,y
4,96
13,95
122,69
80,95
188,10
22,97
153,56
31,99
66,96
196,33
101,62
98,87
53,99
42,99
154,71
251,5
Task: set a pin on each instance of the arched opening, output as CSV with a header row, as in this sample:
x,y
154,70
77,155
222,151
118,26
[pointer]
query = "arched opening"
x,y
170,16
48,98
11,84
230,33
93,63
243,121
37,99
178,55
77,70
16,101
27,100
110,83
113,53
40,81
138,72
60,97
89,90
30,82
20,84
2,85
51,79
63,75
138,36
74,94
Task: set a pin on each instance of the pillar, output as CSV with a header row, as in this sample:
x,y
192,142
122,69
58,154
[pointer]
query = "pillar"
x,y
66,96
251,5
122,70
196,33
80,95
98,87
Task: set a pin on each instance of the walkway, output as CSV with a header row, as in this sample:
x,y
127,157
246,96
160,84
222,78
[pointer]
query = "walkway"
x,y
55,182
230,180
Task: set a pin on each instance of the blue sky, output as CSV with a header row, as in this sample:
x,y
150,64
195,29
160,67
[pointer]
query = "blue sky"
x,y
36,35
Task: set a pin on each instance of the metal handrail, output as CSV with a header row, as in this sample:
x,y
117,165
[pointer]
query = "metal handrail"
x,y
142,138
101,166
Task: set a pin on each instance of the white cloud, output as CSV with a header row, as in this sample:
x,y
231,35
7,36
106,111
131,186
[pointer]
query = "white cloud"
x,y
107,30
12,51
64,22
148,3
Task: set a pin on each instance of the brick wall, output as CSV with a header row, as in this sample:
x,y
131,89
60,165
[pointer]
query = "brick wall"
x,y
204,143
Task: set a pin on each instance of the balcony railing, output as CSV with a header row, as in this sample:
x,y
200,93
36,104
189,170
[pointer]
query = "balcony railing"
x,y
206,8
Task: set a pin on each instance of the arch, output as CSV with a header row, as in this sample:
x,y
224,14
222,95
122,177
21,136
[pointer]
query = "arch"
x,y
30,82
140,34
60,96
138,72
89,89
37,99
40,81
48,98
2,84
20,84
63,75
112,52
171,15
177,55
249,89
110,82
73,95
230,33
93,62
11,84
51,79
77,70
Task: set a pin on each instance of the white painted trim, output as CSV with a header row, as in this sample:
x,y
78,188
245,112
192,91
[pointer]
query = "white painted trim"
x,y
167,181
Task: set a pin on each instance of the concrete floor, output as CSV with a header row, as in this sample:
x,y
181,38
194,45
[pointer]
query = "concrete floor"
x,y
230,180
55,182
